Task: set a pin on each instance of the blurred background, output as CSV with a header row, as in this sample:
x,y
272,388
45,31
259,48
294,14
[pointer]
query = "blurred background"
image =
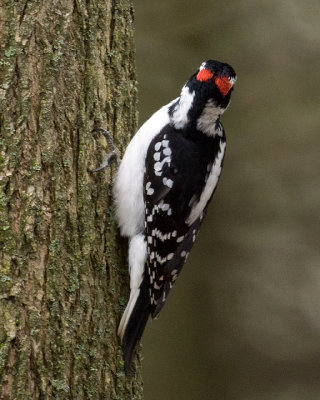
x,y
243,320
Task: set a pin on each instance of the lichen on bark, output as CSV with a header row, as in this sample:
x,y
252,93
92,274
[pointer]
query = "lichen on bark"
x,y
65,67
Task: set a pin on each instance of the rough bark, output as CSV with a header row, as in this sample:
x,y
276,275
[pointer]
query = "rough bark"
x,y
65,67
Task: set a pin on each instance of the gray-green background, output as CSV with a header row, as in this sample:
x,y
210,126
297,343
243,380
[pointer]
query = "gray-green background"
x,y
243,321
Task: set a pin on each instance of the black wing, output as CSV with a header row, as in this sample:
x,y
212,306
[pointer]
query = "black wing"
x,y
175,176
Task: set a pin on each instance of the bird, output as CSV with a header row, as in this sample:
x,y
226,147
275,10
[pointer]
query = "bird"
x,y
162,189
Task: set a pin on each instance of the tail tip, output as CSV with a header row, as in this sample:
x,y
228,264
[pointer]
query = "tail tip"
x,y
133,324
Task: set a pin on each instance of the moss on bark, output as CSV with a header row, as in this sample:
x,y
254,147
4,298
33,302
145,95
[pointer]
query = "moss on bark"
x,y
65,67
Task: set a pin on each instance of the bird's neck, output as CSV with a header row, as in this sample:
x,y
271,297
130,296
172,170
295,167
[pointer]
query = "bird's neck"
x,y
190,112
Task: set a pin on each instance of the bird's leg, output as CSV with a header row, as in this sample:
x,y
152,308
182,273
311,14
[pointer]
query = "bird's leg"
x,y
114,153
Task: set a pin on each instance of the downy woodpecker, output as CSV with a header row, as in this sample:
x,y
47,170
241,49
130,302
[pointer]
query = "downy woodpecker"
x,y
165,181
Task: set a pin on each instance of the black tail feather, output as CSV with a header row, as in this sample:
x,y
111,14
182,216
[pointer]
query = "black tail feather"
x,y
136,324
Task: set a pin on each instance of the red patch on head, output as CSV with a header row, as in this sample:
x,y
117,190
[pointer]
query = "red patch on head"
x,y
223,84
204,75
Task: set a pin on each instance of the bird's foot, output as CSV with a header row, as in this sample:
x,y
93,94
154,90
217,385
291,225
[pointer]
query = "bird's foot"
x,y
113,155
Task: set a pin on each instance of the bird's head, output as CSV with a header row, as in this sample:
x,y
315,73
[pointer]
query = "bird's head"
x,y
214,81
204,97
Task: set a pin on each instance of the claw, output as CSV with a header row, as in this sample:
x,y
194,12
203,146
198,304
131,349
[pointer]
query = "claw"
x,y
113,155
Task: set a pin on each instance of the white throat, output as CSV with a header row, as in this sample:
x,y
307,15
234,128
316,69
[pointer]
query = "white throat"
x,y
206,123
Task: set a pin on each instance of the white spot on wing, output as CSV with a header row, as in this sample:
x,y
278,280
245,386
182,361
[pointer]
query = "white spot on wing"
x,y
167,182
149,189
165,207
180,239
165,143
159,164
157,146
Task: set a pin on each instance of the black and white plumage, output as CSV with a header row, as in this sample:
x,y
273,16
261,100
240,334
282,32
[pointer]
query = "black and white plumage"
x,y
164,183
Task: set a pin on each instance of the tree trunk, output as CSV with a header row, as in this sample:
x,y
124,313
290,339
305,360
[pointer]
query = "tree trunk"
x,y
65,67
